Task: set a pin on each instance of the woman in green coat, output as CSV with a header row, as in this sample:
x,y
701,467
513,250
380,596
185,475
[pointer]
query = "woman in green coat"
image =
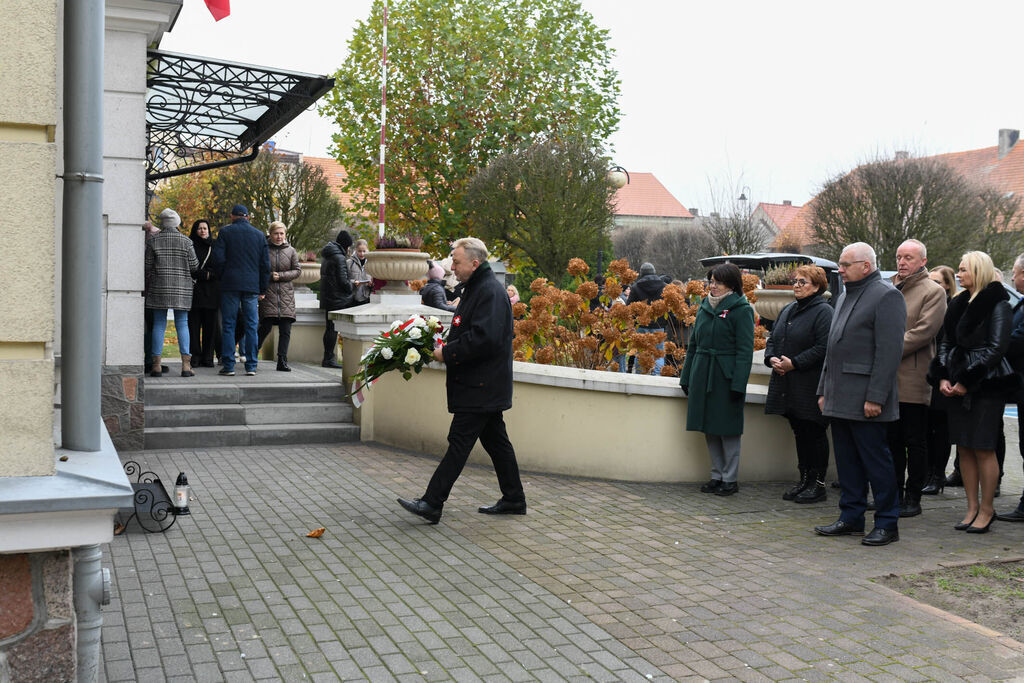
x,y
715,374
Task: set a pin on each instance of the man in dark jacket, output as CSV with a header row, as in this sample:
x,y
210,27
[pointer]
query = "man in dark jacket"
x,y
336,291
857,391
241,259
1015,354
479,386
648,288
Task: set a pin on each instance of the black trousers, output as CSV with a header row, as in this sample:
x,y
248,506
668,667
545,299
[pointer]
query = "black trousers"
x,y
908,442
284,333
330,337
938,441
811,444
203,333
466,428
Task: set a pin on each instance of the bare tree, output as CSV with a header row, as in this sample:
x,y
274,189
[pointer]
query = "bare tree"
x,y
672,251
886,202
730,225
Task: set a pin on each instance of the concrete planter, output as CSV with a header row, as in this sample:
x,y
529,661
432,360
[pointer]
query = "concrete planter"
x,y
310,274
770,302
397,266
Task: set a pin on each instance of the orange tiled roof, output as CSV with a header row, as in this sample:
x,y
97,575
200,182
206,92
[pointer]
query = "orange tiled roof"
x,y
335,175
781,214
646,196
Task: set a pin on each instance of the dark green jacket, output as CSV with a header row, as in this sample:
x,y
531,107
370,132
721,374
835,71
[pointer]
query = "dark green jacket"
x,y
717,366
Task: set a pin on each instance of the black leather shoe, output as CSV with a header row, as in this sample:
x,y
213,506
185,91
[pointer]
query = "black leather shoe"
x,y
727,488
330,363
838,528
1015,516
505,507
881,537
910,508
954,479
935,484
420,507
711,486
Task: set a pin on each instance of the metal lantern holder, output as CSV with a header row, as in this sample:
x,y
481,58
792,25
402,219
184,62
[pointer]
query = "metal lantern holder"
x,y
153,508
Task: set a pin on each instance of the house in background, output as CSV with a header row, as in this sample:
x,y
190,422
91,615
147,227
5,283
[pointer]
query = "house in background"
x,y
776,218
1000,167
644,201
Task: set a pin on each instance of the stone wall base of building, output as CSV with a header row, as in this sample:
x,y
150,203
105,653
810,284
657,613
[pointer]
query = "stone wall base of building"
x,y
122,406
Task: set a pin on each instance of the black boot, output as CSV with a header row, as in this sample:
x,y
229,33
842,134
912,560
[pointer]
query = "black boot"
x,y
936,482
815,491
282,364
794,491
911,505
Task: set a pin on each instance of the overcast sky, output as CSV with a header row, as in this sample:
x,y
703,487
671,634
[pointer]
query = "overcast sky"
x,y
771,96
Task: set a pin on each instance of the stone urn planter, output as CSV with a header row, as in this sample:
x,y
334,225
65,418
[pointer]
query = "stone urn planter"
x,y
770,302
310,273
397,266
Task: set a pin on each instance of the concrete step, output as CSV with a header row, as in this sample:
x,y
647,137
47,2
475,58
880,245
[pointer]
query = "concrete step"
x,y
244,435
175,394
252,414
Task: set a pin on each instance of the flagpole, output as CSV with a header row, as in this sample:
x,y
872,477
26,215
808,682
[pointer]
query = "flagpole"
x,y
383,118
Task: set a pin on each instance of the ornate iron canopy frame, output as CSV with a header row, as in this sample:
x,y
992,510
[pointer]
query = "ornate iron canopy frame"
x,y
204,113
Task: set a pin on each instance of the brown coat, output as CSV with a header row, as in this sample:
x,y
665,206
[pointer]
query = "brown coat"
x,y
280,299
926,307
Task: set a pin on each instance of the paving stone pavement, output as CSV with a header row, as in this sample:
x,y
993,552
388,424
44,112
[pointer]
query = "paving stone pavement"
x,y
602,580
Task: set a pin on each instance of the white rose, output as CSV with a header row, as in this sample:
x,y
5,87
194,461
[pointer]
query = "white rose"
x,y
412,356
394,325
418,321
433,320
415,333
387,353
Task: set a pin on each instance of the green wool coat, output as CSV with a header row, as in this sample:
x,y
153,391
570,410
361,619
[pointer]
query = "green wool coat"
x,y
717,366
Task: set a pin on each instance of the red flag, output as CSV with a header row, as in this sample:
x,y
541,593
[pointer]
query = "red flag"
x,y
219,8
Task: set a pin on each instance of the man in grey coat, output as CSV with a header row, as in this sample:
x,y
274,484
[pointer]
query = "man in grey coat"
x,y
857,391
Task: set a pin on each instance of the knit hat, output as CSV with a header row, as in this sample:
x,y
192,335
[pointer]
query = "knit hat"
x,y
647,269
435,271
343,240
239,210
169,218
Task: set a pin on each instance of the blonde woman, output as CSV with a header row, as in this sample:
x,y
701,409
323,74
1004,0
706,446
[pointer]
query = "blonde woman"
x,y
277,306
970,370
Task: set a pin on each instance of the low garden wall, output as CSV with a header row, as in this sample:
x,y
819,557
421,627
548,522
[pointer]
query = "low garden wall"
x,y
586,423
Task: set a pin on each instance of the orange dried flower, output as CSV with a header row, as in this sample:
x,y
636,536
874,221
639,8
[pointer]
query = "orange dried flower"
x,y
545,355
578,267
518,309
417,285
588,290
538,284
612,289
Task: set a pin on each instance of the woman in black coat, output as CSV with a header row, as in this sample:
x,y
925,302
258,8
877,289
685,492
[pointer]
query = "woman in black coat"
x,y
971,371
432,294
204,317
336,291
795,352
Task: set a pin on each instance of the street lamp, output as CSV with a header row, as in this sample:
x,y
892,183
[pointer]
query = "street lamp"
x,y
618,177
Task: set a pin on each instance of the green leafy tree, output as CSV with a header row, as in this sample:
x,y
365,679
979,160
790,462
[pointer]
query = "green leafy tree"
x,y
886,202
549,201
467,79
296,194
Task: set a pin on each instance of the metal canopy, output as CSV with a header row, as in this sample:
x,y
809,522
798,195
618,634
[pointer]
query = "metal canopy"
x,y
204,113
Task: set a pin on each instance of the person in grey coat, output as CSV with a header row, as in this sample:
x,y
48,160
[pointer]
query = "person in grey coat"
x,y
857,391
170,264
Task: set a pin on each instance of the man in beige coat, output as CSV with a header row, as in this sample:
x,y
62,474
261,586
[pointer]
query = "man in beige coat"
x,y
908,436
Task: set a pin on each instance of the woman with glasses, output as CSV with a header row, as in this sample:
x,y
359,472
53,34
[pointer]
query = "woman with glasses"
x,y
715,373
971,371
795,352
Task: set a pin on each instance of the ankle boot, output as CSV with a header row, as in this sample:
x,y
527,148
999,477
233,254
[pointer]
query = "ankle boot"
x,y
186,366
805,480
282,364
815,491
154,369
911,506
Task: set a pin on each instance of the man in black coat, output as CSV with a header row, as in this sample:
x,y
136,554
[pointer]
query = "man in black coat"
x,y
478,354
648,288
1015,354
336,291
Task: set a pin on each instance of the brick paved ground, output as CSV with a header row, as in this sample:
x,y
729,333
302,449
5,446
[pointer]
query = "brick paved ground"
x,y
601,580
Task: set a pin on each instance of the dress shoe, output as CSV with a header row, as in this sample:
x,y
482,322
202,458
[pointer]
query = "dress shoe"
x,y
838,528
980,529
711,486
881,537
963,526
954,479
505,507
934,486
330,363
1015,516
910,508
420,507
727,488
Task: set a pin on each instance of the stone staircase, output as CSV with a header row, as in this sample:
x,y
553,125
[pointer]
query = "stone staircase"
x,y
206,413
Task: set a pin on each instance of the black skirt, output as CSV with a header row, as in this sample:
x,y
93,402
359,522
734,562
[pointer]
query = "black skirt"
x,y
976,423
